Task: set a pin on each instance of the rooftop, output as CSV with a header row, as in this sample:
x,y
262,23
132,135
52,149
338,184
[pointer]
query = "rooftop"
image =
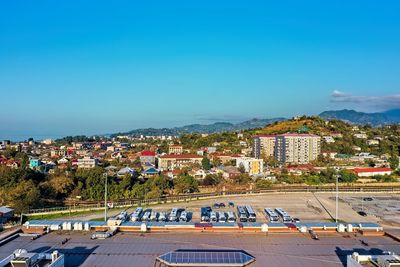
x,y
148,153
280,250
358,170
182,156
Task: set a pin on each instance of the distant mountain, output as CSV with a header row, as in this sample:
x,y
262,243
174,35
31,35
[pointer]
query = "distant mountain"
x,y
355,117
393,115
203,128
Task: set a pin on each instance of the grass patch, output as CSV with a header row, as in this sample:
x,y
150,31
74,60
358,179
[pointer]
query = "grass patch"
x,y
58,215
99,219
67,215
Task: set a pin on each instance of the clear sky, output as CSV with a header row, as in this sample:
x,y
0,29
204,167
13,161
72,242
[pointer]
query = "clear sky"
x,y
92,67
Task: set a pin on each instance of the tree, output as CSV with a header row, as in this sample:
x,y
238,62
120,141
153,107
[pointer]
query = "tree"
x,y
185,184
59,186
243,178
23,196
263,183
313,180
346,176
394,159
216,161
241,168
212,179
205,163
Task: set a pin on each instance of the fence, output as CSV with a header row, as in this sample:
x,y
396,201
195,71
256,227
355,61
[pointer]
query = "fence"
x,y
82,206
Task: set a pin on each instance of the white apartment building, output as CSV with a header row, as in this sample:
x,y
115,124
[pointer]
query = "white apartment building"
x,y
251,165
329,139
263,145
87,162
297,148
361,135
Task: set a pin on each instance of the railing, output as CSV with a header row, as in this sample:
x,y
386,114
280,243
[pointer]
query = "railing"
x,y
123,203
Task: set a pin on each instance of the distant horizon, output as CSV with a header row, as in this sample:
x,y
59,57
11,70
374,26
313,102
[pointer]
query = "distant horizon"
x,y
40,137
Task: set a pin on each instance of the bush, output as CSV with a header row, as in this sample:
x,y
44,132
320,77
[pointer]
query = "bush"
x,y
263,183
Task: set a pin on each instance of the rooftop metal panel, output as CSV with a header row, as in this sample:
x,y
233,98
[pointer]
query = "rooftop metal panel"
x,y
193,257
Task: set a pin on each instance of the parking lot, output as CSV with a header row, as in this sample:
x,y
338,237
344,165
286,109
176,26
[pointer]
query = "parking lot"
x,y
308,207
387,208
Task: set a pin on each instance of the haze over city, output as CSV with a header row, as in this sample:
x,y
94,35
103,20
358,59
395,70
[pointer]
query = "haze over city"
x,y
69,68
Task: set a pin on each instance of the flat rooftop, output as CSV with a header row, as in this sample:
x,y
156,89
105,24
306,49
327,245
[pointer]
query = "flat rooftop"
x,y
135,249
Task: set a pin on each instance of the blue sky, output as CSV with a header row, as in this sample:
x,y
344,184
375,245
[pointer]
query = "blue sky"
x,y
87,67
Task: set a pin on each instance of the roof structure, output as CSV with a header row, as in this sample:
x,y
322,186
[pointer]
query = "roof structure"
x,y
151,171
297,135
363,170
194,257
182,156
5,209
147,153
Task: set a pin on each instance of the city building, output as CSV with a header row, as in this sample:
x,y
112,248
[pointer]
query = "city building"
x,y
21,257
175,149
228,172
58,153
48,141
126,171
263,146
150,172
6,213
147,156
361,135
170,162
370,172
372,142
87,162
383,260
224,158
297,148
252,166
329,139
34,163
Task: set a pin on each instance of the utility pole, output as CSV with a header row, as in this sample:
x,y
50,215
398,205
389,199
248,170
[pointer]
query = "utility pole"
x,y
105,197
337,198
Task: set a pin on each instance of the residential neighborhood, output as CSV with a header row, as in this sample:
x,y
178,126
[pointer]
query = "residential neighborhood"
x,y
302,150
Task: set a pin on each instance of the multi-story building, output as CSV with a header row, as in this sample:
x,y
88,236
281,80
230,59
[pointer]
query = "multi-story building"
x,y
175,149
251,165
147,156
263,145
171,162
297,148
87,162
58,153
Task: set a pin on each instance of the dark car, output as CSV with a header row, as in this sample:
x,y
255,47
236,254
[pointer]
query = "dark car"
x,y
362,213
222,205
296,220
368,199
216,206
231,204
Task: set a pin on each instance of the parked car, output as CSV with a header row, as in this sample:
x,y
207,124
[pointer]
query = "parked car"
x,y
368,199
296,220
216,206
231,204
362,213
222,205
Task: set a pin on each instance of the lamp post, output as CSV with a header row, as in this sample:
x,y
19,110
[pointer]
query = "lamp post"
x,y
337,197
105,196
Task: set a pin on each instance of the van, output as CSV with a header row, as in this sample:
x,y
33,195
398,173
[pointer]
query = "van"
x,y
221,217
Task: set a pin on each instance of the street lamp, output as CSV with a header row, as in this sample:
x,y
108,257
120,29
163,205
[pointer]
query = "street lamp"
x,y
105,196
337,197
